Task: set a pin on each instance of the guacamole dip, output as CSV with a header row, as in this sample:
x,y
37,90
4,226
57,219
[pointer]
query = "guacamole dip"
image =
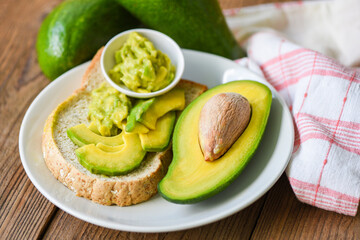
x,y
141,67
107,109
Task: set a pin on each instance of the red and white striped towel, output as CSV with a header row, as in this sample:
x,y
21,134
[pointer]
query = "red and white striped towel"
x,y
323,95
324,99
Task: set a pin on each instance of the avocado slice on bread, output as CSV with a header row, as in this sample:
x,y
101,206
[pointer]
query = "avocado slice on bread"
x,y
170,101
113,163
140,107
157,140
82,135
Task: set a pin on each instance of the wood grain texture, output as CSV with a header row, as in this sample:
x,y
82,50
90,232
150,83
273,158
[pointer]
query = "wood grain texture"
x,y
26,214
284,217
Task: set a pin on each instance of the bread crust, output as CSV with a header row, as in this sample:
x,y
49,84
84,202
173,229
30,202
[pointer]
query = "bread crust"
x,y
100,190
93,63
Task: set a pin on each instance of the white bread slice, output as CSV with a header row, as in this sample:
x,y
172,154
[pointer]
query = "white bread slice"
x,y
60,158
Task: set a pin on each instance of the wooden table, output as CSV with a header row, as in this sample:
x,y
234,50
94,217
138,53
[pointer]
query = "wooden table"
x,y
26,214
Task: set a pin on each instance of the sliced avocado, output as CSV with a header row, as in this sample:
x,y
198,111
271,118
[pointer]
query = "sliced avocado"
x,y
138,128
112,163
157,140
190,178
81,135
92,127
170,101
107,148
140,107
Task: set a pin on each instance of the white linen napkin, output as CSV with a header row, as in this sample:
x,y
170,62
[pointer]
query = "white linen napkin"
x,y
330,27
322,94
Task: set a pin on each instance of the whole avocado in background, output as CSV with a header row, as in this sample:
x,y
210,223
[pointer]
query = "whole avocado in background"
x,y
73,32
193,24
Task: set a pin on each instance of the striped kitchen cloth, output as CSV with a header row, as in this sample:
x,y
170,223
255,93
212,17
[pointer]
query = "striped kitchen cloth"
x,y
324,99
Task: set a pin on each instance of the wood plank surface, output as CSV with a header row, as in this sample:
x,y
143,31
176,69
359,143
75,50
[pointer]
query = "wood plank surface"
x,y
284,217
26,214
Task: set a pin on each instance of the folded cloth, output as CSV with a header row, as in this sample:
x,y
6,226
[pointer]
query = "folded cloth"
x,y
324,99
329,27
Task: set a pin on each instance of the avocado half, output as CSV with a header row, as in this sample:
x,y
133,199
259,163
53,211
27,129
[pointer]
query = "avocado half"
x,y
190,178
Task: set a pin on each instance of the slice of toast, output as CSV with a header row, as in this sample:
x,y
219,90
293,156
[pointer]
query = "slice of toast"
x,y
59,151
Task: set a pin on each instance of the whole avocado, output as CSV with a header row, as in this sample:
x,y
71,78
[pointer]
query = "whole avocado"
x,y
198,25
73,32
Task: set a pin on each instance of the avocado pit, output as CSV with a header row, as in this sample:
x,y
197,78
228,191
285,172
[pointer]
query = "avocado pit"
x,y
223,118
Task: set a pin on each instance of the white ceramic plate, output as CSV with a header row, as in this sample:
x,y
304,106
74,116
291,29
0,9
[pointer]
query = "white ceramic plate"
x,y
158,215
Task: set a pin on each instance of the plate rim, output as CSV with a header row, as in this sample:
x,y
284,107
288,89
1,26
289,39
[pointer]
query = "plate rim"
x,y
145,229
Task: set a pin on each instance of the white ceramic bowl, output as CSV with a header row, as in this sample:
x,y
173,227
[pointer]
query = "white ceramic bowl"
x,y
161,42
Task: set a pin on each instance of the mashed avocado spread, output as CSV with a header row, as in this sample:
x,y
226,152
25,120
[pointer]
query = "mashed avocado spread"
x,y
107,109
141,67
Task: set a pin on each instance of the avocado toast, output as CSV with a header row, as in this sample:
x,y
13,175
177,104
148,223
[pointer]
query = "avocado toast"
x,y
59,151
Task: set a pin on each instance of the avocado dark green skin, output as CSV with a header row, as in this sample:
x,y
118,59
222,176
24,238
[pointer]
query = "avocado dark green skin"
x,y
73,32
198,25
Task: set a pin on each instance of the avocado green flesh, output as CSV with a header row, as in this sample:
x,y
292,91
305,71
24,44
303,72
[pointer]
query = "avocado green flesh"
x,y
73,32
107,109
198,25
190,178
140,107
170,101
138,128
92,127
157,140
107,148
112,163
81,135
140,66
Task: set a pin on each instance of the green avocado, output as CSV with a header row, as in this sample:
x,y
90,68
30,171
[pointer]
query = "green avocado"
x,y
82,135
137,128
190,178
73,32
157,140
93,127
140,107
107,148
198,25
112,163
170,101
